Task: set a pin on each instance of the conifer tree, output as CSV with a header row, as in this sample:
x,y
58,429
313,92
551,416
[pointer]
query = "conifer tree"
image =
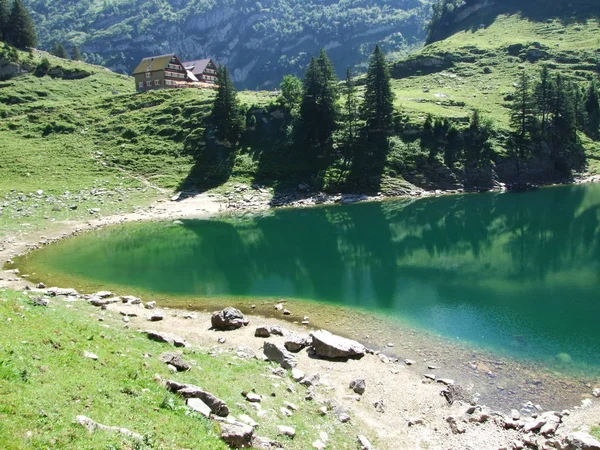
x,y
592,109
59,51
543,98
378,106
350,109
75,53
476,139
318,110
522,117
427,135
452,148
226,113
4,17
21,31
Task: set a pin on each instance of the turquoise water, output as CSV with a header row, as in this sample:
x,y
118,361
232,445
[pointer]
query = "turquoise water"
x,y
519,273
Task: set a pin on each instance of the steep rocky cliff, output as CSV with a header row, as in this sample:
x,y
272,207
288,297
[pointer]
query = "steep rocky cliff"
x,y
259,41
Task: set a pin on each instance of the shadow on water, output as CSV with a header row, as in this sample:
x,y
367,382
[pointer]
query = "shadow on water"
x,y
515,272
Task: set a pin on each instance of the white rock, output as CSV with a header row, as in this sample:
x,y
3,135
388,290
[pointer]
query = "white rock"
x,y
90,355
253,398
195,404
297,375
286,431
364,443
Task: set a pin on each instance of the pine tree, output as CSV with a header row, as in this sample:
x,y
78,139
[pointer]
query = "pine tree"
x,y
350,110
226,113
75,53
319,110
4,17
476,139
378,107
59,51
452,149
592,109
522,118
21,30
427,135
543,98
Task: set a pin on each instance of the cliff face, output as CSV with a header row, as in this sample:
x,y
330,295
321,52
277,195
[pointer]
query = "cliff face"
x,y
259,41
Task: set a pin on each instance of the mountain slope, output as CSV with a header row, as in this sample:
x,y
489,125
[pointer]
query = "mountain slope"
x,y
259,41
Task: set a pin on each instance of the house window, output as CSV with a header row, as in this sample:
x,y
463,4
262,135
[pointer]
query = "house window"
x,y
141,84
149,83
156,82
148,75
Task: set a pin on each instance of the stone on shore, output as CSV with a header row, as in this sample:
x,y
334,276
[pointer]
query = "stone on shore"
x,y
327,345
228,319
364,443
102,294
54,291
295,342
262,332
581,441
155,317
278,353
171,339
358,386
237,435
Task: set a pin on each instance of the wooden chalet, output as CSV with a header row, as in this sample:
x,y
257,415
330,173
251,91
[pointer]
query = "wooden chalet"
x,y
160,72
204,70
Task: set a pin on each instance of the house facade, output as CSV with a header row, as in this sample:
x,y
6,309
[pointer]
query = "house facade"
x,y
204,70
160,72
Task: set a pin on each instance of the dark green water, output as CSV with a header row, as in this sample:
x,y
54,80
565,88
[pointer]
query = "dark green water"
x,y
518,273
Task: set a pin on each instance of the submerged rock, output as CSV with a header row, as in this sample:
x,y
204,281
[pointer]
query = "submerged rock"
x,y
228,319
327,345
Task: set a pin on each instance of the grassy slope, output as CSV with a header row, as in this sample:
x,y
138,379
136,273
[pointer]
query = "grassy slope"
x,y
454,93
71,138
45,382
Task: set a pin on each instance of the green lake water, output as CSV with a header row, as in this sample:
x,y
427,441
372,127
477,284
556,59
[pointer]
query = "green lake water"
x,y
516,273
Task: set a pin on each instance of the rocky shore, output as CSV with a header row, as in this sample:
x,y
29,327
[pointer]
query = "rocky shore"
x,y
387,404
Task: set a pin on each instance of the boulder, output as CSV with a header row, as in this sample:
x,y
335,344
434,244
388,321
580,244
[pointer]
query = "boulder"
x,y
278,353
364,443
295,342
216,405
155,317
195,404
53,291
286,431
276,330
358,386
170,339
581,441
176,360
327,345
237,435
102,294
228,319
262,332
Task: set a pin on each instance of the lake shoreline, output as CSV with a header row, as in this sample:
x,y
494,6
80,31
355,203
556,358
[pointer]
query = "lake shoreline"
x,y
204,206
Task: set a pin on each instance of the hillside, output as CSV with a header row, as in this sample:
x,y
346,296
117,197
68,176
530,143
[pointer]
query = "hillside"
x,y
259,41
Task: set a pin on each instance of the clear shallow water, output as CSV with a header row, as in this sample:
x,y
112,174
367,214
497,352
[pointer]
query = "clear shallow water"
x,y
518,273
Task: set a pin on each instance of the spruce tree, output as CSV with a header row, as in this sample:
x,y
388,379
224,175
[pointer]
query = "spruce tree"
x,y
522,117
226,113
21,30
350,110
452,148
4,17
592,109
59,51
543,99
75,53
319,110
378,106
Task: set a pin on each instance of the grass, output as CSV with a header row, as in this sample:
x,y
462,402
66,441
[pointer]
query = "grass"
x,y
73,137
596,432
483,73
45,382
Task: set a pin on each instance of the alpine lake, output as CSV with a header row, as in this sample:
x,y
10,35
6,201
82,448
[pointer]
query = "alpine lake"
x,y
501,291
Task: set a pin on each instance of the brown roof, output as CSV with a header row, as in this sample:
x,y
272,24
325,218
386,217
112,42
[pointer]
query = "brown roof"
x,y
153,63
197,66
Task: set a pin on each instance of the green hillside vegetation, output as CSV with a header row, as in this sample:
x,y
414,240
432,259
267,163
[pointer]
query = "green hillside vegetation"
x,y
45,382
265,39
